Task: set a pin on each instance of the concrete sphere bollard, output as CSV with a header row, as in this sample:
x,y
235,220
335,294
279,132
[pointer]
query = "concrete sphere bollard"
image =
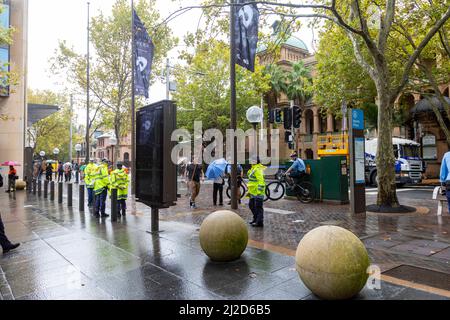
x,y
332,262
20,185
223,236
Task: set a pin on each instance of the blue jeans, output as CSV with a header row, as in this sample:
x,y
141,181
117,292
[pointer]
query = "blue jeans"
x,y
100,202
448,200
90,196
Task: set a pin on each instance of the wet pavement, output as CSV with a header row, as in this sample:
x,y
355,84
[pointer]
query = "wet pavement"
x,y
67,254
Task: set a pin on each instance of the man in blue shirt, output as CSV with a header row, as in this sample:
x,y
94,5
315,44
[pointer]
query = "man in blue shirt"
x,y
298,168
445,175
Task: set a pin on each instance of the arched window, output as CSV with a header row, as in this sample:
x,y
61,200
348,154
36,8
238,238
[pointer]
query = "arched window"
x,y
309,154
126,156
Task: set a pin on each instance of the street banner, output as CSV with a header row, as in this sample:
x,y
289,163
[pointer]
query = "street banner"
x,y
246,33
144,52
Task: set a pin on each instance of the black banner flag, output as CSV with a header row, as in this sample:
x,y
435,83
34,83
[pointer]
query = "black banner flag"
x,y
143,55
246,33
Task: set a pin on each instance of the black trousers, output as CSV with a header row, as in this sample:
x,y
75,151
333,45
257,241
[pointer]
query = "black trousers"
x,y
4,242
256,206
218,188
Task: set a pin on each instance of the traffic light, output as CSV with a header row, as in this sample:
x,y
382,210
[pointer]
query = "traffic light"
x,y
287,118
271,116
291,145
277,116
297,115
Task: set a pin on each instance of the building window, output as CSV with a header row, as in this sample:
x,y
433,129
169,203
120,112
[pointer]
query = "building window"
x,y
429,148
4,49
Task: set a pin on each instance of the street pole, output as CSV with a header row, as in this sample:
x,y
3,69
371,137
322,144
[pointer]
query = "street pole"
x,y
87,88
167,80
71,128
133,110
233,116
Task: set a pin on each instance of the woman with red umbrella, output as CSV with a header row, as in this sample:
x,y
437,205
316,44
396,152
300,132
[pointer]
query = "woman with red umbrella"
x,y
12,176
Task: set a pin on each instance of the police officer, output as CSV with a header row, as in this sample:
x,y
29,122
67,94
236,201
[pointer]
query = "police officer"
x,y
445,176
89,173
120,181
101,185
256,191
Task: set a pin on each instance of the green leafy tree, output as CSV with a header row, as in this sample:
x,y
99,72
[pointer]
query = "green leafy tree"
x,y
53,131
111,70
203,88
299,83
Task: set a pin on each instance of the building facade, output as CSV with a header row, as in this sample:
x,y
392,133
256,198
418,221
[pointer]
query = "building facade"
x,y
13,101
420,123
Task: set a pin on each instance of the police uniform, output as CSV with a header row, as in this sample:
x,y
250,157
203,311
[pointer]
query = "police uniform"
x,y
101,184
120,181
89,173
257,191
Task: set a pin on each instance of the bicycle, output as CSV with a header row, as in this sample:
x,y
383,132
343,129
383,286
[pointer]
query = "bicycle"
x,y
243,191
304,190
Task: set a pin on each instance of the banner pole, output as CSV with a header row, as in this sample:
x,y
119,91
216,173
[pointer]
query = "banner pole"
x,y
234,200
133,109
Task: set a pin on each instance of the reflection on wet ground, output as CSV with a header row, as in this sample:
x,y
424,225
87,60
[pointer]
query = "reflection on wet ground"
x,y
66,254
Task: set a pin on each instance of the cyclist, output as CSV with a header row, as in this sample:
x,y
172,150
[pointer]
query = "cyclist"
x,y
298,168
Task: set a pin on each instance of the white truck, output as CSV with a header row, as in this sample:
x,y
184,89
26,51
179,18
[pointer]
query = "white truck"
x,y
408,164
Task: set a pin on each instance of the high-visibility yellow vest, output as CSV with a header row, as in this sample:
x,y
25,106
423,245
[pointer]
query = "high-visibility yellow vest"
x,y
89,172
256,184
120,180
101,179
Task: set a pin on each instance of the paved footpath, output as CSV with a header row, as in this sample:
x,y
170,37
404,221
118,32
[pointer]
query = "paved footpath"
x,y
66,254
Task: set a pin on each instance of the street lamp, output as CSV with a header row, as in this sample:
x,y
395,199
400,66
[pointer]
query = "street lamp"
x,y
78,149
255,116
112,142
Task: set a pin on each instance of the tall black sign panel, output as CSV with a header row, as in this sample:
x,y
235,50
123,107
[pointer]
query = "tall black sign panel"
x,y
156,178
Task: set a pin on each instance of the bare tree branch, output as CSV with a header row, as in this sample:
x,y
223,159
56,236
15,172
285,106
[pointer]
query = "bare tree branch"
x,y
418,51
386,24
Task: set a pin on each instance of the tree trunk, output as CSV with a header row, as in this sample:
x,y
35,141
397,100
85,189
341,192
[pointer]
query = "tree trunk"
x,y
117,146
387,196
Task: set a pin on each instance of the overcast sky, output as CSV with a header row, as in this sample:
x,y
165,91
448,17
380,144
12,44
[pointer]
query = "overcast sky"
x,y
54,20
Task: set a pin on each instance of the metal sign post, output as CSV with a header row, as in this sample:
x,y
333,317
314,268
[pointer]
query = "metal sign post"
x,y
357,162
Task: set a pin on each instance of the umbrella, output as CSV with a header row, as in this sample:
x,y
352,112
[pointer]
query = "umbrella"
x,y
216,169
10,163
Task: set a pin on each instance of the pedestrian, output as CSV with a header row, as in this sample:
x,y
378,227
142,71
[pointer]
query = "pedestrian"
x,y
445,177
256,191
89,179
12,176
193,174
218,189
240,179
4,241
60,172
82,168
68,172
120,180
101,186
49,172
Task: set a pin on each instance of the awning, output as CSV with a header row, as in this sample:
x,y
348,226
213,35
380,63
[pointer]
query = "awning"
x,y
425,106
37,112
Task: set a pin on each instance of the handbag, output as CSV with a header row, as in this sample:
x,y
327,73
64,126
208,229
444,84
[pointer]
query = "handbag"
x,y
191,182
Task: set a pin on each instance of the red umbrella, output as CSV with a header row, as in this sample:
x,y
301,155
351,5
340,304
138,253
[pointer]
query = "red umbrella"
x,y
10,163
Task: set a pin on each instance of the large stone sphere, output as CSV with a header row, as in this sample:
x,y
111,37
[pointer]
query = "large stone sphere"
x,y
20,185
332,262
223,236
